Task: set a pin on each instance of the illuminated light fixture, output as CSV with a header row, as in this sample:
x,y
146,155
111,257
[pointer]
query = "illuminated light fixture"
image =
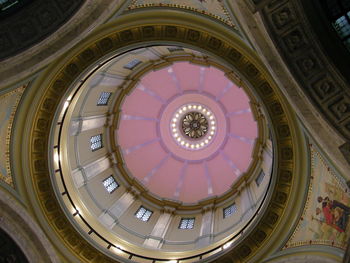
x,y
118,249
189,126
65,105
56,157
228,244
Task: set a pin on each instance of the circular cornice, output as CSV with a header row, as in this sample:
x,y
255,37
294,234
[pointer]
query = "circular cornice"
x,y
185,155
169,28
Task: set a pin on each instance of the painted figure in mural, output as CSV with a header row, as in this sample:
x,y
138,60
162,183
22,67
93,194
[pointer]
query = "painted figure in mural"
x,y
336,214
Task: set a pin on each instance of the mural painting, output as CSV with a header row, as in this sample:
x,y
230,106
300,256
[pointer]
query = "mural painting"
x,y
325,219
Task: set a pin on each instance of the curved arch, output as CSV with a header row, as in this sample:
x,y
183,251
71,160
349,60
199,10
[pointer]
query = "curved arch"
x,y
19,225
48,45
168,27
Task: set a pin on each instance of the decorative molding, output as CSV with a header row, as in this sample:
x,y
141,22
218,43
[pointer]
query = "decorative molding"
x,y
198,6
126,88
6,124
286,173
299,46
315,228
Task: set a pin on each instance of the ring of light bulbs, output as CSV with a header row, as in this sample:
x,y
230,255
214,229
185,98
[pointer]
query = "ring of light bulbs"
x,y
183,140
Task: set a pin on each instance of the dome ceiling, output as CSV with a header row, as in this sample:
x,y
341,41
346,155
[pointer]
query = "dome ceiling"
x,y
78,169
201,122
197,124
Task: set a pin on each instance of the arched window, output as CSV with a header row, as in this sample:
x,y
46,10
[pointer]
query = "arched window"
x,y
338,12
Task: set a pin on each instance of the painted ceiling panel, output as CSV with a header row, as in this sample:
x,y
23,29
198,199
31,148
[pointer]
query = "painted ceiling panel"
x,y
212,8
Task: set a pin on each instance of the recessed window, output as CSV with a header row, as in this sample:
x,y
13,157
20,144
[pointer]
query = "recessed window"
x,y
110,184
260,178
104,97
175,49
96,142
133,63
143,214
228,211
186,223
338,12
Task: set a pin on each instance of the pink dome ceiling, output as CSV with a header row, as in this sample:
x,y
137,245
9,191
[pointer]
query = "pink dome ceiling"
x,y
152,148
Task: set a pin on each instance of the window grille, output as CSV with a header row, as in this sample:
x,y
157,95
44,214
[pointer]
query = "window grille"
x,y
186,223
338,12
110,184
132,64
260,178
228,211
104,97
96,142
143,214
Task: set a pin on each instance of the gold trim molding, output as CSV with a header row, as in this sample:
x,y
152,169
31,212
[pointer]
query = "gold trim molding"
x,y
236,187
118,37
